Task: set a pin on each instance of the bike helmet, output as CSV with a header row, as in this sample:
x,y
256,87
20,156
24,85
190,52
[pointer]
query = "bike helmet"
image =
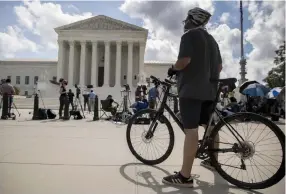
x,y
198,16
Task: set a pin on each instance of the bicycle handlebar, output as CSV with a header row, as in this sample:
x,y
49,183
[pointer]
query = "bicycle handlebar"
x,y
167,82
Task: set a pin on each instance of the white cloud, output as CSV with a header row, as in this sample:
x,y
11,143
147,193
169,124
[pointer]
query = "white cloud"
x,y
13,41
224,17
74,8
163,21
41,19
265,36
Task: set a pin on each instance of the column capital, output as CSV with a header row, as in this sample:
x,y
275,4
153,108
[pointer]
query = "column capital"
x,y
106,42
142,44
94,42
119,43
60,41
72,42
82,42
130,42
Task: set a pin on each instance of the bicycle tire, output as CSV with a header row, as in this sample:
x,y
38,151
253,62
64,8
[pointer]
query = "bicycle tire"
x,y
280,136
170,130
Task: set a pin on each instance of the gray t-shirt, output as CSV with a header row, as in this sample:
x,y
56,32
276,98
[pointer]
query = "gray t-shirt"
x,y
194,80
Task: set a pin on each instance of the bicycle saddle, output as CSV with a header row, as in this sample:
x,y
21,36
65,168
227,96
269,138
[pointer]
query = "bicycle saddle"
x,y
230,82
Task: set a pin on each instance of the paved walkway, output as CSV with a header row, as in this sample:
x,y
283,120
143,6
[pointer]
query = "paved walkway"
x,y
86,157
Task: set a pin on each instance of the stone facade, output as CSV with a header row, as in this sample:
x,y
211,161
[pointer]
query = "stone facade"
x,y
102,52
99,51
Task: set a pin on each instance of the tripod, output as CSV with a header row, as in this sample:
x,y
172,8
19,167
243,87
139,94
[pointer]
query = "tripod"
x,y
78,102
125,114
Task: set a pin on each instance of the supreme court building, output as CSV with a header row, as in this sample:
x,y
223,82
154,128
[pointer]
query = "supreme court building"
x,y
99,51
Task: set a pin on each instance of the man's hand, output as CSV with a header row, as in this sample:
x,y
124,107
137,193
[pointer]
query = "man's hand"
x,y
171,71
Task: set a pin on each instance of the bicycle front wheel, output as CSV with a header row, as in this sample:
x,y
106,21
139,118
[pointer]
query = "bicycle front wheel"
x,y
149,145
251,153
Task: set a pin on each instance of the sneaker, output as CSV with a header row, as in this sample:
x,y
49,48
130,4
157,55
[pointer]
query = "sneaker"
x,y
178,180
207,164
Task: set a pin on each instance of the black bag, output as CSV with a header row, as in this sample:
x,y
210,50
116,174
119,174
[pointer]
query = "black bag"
x,y
42,114
51,114
76,114
89,86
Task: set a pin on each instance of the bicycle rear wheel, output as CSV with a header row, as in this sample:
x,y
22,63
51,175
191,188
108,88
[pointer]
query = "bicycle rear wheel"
x,y
257,149
153,148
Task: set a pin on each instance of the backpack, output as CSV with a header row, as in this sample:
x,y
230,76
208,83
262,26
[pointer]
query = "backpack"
x,y
42,114
76,114
51,114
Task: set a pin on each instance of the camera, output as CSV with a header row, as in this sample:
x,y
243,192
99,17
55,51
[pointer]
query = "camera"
x,y
3,81
63,81
127,87
77,90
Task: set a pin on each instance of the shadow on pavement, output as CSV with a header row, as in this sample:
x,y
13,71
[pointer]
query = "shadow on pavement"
x,y
219,186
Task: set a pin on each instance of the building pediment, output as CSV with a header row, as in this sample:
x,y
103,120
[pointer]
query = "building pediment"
x,y
100,22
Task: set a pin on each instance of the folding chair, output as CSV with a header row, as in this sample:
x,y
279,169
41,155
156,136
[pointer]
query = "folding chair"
x,y
104,108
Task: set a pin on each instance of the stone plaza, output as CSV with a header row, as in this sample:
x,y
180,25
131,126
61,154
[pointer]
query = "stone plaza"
x,y
90,157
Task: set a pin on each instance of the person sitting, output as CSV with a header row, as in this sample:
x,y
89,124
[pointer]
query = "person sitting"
x,y
110,107
139,105
153,94
233,105
138,94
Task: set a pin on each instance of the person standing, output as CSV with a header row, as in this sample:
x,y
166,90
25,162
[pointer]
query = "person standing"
x,y
63,96
8,89
199,61
85,101
92,96
71,96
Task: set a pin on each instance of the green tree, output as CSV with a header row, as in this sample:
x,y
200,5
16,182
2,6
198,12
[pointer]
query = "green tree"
x,y
17,90
276,76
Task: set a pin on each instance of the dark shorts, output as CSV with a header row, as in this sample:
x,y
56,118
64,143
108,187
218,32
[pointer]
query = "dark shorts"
x,y
195,112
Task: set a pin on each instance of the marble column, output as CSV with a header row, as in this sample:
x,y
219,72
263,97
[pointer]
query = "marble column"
x,y
130,64
71,63
60,59
118,64
94,67
82,63
106,63
141,58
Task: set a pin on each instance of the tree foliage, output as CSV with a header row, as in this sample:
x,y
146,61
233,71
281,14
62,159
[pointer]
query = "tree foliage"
x,y
276,76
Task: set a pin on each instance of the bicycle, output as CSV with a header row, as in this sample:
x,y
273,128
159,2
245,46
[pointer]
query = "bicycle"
x,y
244,149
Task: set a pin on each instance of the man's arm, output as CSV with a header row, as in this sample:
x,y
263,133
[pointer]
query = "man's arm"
x,y
13,90
185,52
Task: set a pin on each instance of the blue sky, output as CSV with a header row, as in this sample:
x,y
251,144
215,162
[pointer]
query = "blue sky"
x,y
109,8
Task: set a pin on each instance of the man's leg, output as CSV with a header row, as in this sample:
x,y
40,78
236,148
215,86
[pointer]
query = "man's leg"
x,y
190,112
190,150
61,107
206,114
84,104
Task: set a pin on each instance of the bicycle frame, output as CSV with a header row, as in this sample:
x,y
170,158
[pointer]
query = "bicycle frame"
x,y
164,106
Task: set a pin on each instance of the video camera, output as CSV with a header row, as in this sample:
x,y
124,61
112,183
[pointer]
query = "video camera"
x,y
77,90
63,81
3,81
127,87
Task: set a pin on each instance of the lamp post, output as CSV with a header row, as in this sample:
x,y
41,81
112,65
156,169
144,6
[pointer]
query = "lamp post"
x,y
242,59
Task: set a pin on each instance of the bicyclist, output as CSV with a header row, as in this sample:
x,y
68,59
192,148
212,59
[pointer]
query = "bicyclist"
x,y
199,60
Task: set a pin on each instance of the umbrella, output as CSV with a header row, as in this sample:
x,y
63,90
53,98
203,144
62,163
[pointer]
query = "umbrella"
x,y
245,84
274,92
255,89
